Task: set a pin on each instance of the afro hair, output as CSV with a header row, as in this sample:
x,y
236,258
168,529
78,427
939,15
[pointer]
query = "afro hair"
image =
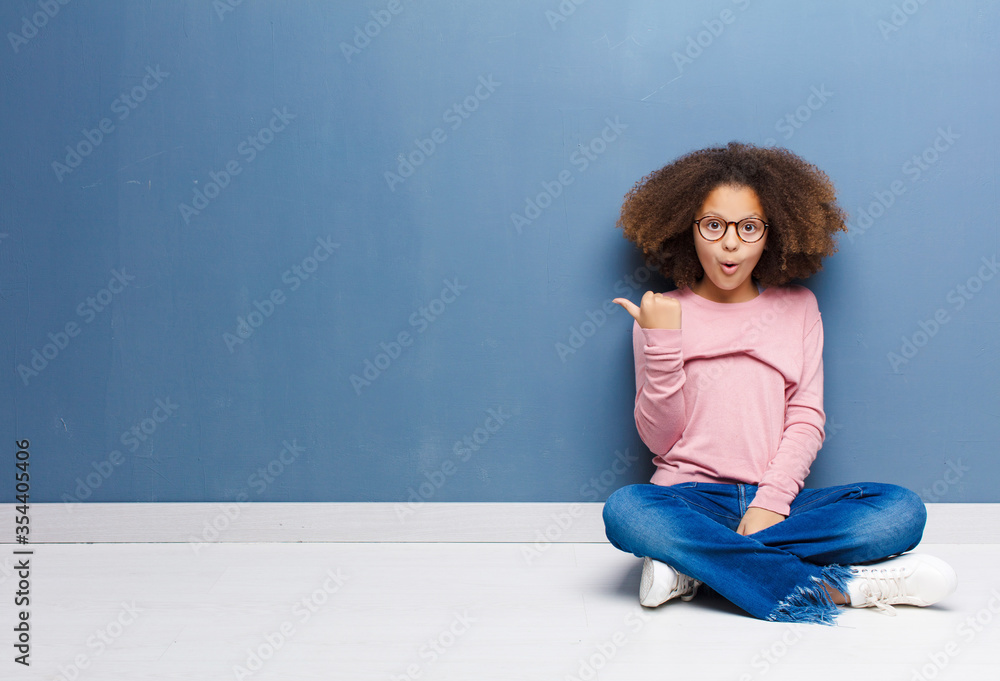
x,y
798,199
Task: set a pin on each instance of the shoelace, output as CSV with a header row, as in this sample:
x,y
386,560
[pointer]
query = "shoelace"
x,y
880,585
686,587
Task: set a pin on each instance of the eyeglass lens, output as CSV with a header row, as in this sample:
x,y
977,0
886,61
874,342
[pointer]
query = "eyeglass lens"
x,y
713,228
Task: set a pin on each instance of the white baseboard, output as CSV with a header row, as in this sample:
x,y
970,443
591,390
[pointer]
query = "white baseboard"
x,y
382,522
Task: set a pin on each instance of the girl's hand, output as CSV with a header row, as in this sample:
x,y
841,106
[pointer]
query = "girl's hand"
x,y
655,311
757,519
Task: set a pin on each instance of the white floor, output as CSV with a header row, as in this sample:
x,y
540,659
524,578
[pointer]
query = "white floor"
x,y
402,611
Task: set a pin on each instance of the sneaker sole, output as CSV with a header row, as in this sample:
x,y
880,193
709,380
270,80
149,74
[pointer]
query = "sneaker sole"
x,y
646,583
647,596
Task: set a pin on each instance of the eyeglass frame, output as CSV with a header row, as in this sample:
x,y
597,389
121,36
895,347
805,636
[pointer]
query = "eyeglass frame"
x,y
727,223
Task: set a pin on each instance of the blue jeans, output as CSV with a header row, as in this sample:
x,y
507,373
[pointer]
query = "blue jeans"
x,y
778,573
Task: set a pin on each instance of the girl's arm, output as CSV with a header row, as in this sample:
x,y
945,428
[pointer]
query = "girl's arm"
x,y
803,435
659,369
659,379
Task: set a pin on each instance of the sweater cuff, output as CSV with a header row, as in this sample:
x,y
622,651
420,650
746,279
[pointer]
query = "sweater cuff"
x,y
667,338
772,500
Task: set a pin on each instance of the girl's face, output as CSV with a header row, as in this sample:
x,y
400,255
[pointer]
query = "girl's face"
x,y
729,262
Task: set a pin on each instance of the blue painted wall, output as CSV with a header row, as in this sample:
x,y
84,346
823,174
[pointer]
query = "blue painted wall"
x,y
266,250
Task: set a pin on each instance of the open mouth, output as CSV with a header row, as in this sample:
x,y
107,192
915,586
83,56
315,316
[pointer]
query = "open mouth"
x,y
729,268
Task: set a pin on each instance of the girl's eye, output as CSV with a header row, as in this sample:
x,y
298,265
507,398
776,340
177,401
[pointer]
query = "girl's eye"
x,y
714,225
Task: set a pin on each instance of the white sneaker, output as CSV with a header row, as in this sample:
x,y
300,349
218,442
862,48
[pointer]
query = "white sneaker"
x,y
910,579
660,583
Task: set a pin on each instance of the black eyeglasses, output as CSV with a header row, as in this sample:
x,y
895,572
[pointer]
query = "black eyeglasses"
x,y
713,228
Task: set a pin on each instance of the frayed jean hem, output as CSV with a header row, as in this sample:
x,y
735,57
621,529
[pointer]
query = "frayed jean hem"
x,y
813,604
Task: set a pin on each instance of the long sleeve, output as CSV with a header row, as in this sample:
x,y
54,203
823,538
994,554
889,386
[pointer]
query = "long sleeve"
x,y
803,433
659,379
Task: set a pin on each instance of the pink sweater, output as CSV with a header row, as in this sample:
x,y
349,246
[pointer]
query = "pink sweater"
x,y
735,394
